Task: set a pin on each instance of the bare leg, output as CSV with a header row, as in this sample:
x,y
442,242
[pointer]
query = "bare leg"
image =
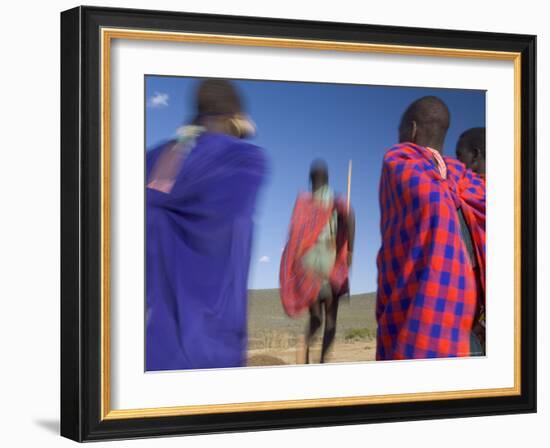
x,y
315,317
331,313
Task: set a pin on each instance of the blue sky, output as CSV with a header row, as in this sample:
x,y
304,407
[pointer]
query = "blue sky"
x,y
299,122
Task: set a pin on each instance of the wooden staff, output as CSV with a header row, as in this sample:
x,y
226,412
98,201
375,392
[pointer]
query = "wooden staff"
x,y
349,185
348,209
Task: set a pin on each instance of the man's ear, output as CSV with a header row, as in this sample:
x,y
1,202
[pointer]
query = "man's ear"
x,y
477,153
413,131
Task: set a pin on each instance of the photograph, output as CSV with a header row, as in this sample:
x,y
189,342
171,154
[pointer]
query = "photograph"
x,y
275,224
297,223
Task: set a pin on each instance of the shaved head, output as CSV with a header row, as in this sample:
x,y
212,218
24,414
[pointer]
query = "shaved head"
x,y
318,174
219,108
217,97
470,149
425,122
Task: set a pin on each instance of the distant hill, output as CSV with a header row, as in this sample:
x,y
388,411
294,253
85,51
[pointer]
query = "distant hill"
x,y
257,294
267,319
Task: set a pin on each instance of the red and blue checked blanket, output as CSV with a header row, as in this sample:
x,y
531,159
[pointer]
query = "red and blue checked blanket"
x,y
428,293
299,287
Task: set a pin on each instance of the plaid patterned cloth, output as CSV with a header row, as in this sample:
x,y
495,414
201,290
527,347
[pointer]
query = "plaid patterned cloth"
x,y
427,291
299,287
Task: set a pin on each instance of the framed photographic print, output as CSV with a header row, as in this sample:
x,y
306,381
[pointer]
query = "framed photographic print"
x,y
276,224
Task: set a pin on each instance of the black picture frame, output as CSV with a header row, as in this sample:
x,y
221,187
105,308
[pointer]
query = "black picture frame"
x,y
81,224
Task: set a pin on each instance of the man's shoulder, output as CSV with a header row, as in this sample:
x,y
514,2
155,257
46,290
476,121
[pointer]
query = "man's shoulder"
x,y
454,164
404,151
404,157
232,149
459,171
226,141
243,147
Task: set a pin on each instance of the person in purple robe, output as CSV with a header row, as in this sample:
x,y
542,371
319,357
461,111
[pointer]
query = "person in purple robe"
x,y
201,191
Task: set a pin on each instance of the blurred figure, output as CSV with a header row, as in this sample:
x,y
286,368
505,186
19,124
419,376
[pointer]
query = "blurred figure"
x,y
470,150
431,265
315,262
201,193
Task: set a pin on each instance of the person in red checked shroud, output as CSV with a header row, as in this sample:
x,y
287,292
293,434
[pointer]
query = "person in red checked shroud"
x,y
315,263
431,263
470,150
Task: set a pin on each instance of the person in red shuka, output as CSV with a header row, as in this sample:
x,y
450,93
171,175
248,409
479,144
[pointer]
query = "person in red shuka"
x,y
431,263
470,150
315,263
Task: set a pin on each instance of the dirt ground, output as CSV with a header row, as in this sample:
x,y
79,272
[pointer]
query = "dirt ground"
x,y
276,339
342,351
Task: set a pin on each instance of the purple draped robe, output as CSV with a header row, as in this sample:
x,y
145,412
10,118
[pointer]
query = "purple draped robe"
x,y
198,244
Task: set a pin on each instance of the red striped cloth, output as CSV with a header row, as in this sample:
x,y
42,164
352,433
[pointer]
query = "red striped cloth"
x,y
299,288
440,163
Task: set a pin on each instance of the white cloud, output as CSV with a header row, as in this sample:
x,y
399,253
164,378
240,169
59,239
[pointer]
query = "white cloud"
x,y
158,100
264,259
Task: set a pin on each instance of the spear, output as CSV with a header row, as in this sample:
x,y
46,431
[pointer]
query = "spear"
x,y
349,185
348,209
